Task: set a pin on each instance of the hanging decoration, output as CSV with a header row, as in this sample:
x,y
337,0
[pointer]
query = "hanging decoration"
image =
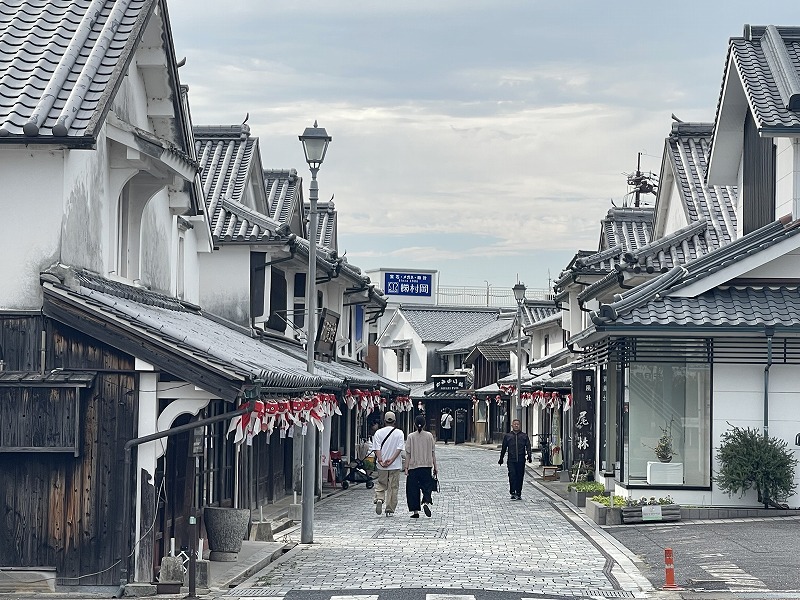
x,y
508,390
402,404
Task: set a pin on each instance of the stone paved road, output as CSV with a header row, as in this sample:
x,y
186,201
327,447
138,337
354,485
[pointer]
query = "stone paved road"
x,y
476,539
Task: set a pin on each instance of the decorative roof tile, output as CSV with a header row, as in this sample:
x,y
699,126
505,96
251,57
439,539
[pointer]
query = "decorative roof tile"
x,y
326,223
60,60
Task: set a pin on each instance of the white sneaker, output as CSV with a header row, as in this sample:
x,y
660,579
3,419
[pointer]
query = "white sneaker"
x,y
378,507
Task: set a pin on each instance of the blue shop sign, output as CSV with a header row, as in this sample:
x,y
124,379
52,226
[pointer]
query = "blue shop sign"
x,y
408,284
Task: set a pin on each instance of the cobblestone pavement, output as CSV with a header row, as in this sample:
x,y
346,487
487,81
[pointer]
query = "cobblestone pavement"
x,y
477,539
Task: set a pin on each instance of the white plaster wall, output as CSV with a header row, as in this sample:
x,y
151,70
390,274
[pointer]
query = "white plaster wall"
x,y
191,276
786,266
30,234
401,330
225,283
85,237
156,243
739,400
675,215
130,103
784,177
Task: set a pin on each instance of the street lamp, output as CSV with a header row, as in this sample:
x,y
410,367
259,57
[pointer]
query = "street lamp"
x,y
315,143
519,296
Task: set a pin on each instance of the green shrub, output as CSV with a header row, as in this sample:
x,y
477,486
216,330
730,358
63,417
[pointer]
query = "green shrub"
x,y
748,460
619,501
590,487
651,501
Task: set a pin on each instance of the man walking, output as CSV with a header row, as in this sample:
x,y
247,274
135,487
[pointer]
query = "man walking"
x,y
388,443
447,425
518,446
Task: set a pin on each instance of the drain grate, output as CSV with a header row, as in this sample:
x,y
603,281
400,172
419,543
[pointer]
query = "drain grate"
x,y
609,593
438,533
255,593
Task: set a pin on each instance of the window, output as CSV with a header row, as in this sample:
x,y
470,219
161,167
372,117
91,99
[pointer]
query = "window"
x,y
445,363
277,301
299,307
672,398
403,360
458,361
546,345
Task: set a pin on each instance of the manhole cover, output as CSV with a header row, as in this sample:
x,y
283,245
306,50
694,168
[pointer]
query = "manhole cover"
x,y
426,534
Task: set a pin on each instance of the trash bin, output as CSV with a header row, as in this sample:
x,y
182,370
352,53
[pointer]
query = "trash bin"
x,y
461,426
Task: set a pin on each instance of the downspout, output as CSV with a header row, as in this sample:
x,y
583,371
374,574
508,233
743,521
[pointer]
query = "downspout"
x,y
769,332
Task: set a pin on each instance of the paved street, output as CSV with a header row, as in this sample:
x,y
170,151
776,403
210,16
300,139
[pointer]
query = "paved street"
x,y
477,539
736,555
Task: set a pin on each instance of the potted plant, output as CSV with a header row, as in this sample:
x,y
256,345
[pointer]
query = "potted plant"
x,y
650,509
581,490
665,448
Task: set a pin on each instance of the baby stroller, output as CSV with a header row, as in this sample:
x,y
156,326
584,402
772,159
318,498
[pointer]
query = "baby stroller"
x,y
358,471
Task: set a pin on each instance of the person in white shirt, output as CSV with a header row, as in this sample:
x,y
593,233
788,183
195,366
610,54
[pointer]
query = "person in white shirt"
x,y
388,443
447,425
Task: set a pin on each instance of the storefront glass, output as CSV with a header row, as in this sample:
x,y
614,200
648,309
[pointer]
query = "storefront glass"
x,y
667,406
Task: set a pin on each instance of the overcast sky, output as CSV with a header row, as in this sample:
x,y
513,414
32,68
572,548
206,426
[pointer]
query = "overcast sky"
x,y
484,139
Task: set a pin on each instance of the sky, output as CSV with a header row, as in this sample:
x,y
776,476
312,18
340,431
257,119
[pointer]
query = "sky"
x,y
485,139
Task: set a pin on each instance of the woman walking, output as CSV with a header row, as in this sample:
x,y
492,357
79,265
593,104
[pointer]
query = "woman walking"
x,y
420,459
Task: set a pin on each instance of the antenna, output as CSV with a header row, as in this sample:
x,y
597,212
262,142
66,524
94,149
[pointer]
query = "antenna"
x,y
643,183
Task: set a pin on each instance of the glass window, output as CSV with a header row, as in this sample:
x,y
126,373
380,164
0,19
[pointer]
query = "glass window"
x,y
482,408
667,403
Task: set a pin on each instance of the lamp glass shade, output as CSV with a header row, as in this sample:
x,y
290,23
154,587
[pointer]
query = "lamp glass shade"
x,y
519,292
315,144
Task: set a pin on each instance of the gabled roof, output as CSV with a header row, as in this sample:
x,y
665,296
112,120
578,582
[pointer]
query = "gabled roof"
x,y
687,151
534,311
622,230
172,335
491,352
284,190
761,78
326,223
60,64
228,156
488,333
446,323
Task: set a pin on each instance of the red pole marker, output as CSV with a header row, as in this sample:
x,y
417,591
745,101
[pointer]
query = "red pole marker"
x,y
669,571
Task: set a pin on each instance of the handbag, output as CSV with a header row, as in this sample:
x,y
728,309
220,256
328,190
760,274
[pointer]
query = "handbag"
x,y
436,484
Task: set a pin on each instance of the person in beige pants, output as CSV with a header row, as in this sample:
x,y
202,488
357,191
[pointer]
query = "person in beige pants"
x,y
388,443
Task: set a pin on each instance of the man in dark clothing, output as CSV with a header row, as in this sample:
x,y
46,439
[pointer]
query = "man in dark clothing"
x,y
518,446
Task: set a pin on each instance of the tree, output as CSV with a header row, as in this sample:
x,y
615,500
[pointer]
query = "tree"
x,y
749,459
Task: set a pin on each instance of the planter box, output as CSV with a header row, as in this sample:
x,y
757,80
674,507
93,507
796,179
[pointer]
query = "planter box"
x,y
603,515
646,514
579,498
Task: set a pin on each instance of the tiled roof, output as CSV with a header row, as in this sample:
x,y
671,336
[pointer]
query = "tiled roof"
x,y
326,223
679,247
226,156
487,333
446,323
534,311
55,378
622,230
60,61
283,186
768,62
491,352
351,375
689,148
679,277
731,306
562,381
200,349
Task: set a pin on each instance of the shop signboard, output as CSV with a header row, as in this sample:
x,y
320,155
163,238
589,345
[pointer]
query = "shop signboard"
x,y
583,387
408,284
449,383
326,333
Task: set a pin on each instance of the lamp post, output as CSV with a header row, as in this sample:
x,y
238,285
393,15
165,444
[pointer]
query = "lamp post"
x,y
519,296
315,143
